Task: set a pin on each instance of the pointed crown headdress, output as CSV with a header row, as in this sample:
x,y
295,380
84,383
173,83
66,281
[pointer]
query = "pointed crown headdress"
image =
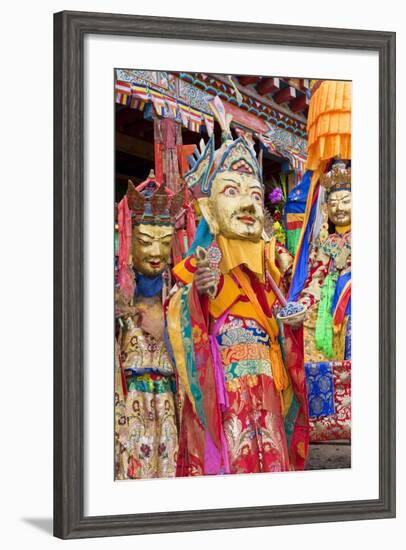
x,y
337,179
234,155
153,204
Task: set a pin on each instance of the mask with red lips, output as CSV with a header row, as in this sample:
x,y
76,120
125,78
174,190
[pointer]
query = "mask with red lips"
x,y
235,206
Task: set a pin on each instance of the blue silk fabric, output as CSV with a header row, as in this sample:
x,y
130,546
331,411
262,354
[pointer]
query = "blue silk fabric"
x,y
301,271
148,286
297,198
320,389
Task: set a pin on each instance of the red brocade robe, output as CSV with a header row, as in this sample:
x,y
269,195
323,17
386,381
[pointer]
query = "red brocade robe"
x,y
233,417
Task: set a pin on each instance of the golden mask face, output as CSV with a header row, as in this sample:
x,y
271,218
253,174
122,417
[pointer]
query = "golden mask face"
x,y
339,207
235,207
151,248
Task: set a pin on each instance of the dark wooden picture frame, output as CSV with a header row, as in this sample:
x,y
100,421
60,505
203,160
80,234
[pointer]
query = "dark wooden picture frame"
x,y
70,29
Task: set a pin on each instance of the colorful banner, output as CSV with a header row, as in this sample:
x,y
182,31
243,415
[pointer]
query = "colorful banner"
x,y
135,96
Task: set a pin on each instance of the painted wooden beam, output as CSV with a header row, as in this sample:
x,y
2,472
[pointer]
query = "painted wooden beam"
x,y
299,103
246,79
285,95
248,120
268,86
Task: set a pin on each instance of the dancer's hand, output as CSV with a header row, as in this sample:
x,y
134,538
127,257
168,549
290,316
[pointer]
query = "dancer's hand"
x,y
293,314
295,321
205,280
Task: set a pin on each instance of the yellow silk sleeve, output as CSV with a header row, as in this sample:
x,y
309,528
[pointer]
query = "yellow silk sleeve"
x,y
183,271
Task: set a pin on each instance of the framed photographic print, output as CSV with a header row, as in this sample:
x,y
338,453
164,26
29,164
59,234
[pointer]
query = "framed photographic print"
x,y
224,275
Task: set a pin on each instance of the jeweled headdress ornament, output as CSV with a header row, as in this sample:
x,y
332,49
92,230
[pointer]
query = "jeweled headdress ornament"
x,y
154,204
337,179
234,156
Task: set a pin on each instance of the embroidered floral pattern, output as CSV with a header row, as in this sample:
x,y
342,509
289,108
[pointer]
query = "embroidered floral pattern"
x,y
141,351
253,423
336,426
248,367
242,352
145,418
199,337
320,389
152,434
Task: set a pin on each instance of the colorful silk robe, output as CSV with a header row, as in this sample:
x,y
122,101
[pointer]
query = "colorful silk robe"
x,y
328,367
146,422
233,417
332,257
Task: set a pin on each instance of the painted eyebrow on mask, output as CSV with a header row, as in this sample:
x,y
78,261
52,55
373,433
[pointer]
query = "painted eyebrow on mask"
x,y
153,236
347,195
252,186
256,186
237,183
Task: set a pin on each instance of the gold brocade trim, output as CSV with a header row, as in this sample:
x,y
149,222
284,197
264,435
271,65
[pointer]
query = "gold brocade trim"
x,y
311,353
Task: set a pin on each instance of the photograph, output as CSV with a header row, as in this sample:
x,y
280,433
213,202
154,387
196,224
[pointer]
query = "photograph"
x,y
204,227
232,274
182,238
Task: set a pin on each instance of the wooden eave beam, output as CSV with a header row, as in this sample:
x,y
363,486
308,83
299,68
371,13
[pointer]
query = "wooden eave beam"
x,y
244,80
285,95
299,103
268,86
